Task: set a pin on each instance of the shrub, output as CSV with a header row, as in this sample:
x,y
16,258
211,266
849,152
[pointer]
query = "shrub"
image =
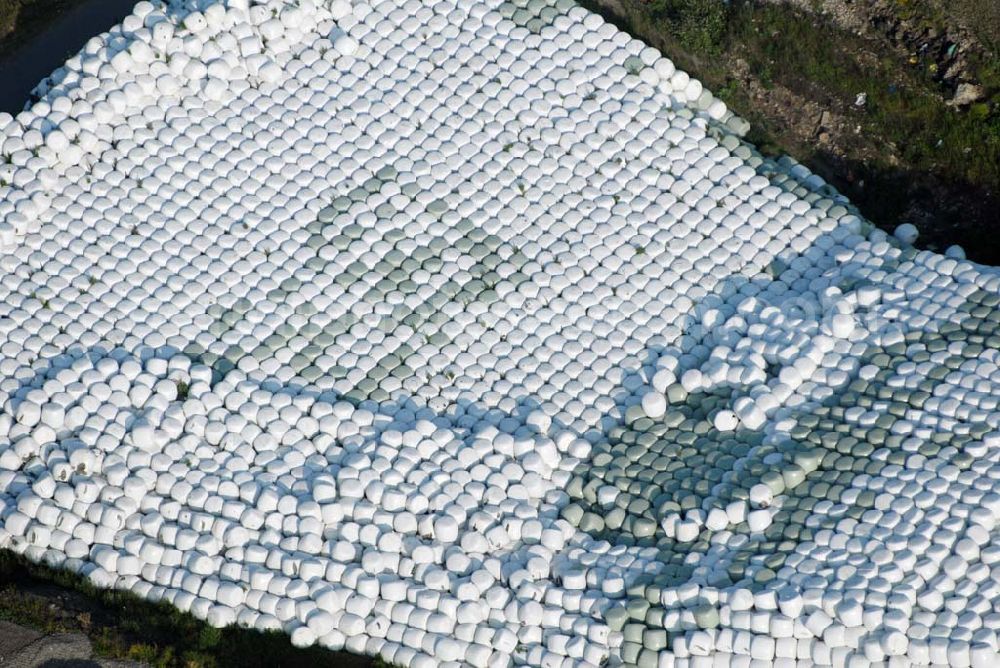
x,y
699,25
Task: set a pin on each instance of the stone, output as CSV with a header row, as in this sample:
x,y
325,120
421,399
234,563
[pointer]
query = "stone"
x,y
967,93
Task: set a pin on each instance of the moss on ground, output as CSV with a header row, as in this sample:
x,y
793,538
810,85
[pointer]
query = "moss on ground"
x,y
29,611
698,25
806,52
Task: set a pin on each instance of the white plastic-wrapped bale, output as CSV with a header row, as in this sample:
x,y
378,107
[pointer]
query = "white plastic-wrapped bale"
x,y
469,332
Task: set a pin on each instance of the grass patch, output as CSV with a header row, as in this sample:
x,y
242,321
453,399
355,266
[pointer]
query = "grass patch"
x,y
699,25
980,17
9,9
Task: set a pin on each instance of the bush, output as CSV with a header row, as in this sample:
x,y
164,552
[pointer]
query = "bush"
x,y
699,25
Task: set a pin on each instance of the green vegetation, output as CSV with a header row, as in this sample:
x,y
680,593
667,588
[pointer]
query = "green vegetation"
x,y
698,25
122,626
8,15
12,10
